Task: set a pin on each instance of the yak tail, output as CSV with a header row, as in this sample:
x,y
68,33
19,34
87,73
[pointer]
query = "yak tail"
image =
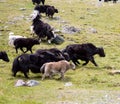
x,y
15,65
42,68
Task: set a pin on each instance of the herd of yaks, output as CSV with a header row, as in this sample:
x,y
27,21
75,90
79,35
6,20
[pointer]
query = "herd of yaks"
x,y
47,61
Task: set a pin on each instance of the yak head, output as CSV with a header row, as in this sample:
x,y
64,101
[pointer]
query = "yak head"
x,y
35,15
4,56
101,52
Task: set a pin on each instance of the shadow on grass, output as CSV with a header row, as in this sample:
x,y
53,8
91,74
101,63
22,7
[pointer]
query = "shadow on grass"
x,y
20,76
89,67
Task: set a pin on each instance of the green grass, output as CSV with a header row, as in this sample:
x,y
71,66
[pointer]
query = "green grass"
x,y
88,81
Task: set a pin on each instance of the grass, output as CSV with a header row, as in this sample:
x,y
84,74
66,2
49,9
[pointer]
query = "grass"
x,y
90,83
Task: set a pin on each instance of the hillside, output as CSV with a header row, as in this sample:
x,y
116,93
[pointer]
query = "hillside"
x,y
98,24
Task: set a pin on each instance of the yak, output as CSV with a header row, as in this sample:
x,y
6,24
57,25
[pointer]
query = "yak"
x,y
33,62
41,29
50,11
25,42
56,67
4,56
38,2
54,52
83,52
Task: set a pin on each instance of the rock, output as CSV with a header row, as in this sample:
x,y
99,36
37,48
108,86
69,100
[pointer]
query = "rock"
x,y
112,72
57,31
20,82
58,39
22,9
68,84
56,18
92,30
70,29
31,83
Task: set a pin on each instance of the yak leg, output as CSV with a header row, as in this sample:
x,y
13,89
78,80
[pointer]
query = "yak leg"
x,y
25,74
31,50
77,62
43,77
86,62
114,1
93,61
62,75
16,49
49,41
43,1
50,76
28,50
14,74
22,49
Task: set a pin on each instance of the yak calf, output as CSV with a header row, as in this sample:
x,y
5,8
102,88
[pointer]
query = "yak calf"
x,y
56,67
25,42
50,11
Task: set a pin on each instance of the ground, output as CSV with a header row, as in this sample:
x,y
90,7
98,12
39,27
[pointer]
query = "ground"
x,y
98,24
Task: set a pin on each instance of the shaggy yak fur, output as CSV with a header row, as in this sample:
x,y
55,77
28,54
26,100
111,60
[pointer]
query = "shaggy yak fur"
x,y
38,2
47,9
41,8
40,28
33,62
54,52
56,67
50,11
83,52
4,56
22,63
25,42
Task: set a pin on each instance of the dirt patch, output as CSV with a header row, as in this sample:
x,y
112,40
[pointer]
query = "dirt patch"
x,y
87,97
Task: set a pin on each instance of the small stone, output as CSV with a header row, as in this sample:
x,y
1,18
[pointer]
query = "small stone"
x,y
22,9
68,84
92,30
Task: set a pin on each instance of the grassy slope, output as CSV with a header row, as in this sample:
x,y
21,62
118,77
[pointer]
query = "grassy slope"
x,y
81,14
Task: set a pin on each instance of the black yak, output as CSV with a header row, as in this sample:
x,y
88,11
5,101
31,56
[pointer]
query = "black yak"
x,y
38,2
25,42
50,11
33,62
54,52
40,28
114,1
41,8
47,9
4,56
83,52
22,63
